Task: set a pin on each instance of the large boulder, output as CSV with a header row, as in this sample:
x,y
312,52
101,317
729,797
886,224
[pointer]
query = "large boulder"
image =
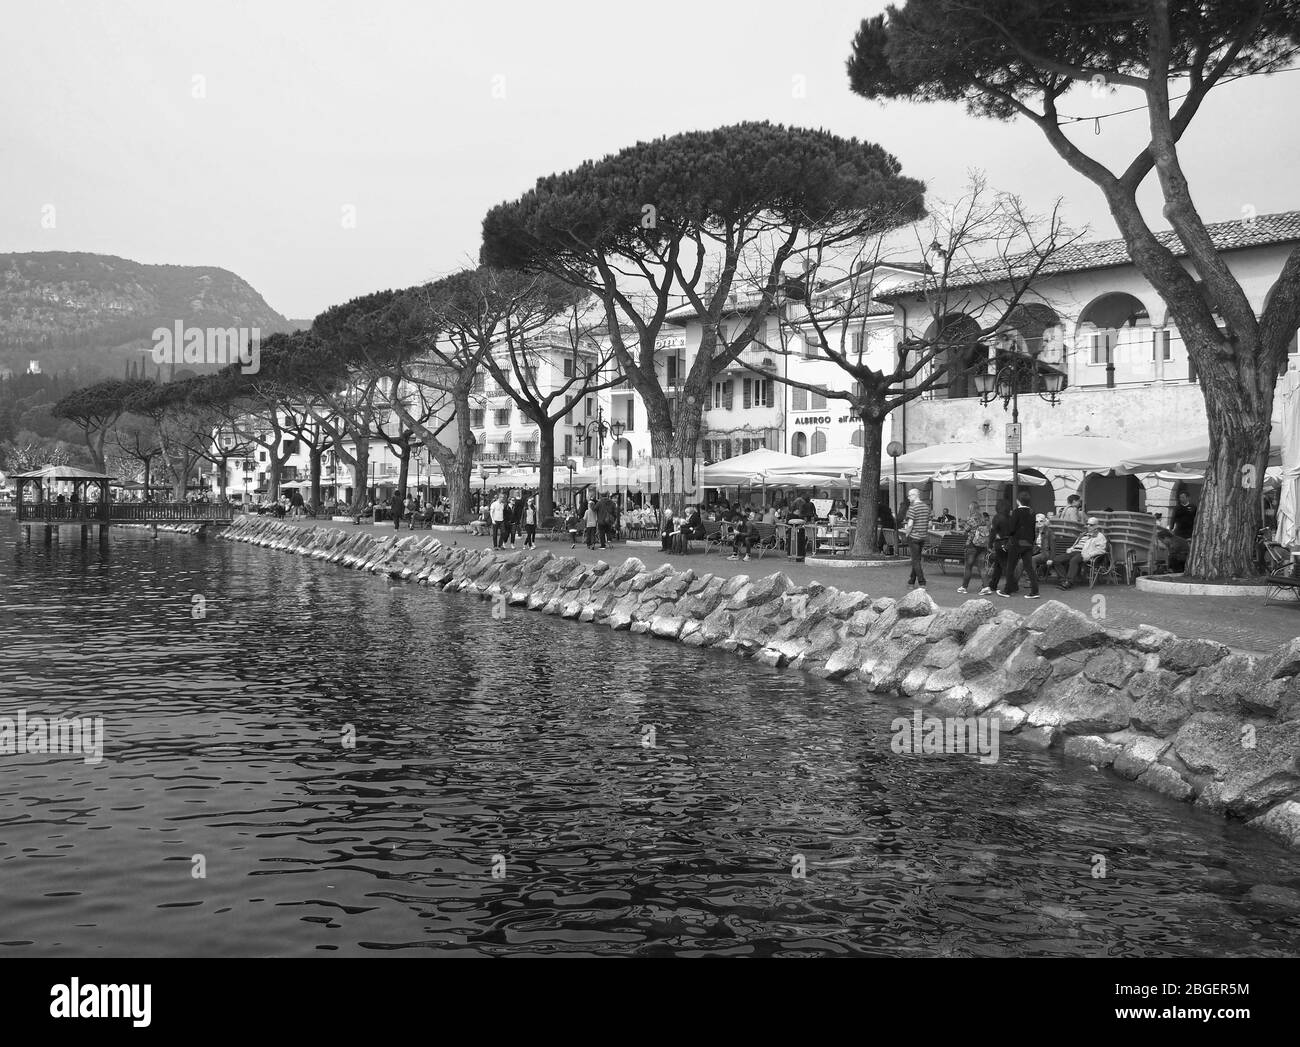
x,y
1112,666
846,605
991,644
1281,821
1063,629
961,621
916,604
1186,656
1079,706
1024,673
1285,661
886,664
1252,767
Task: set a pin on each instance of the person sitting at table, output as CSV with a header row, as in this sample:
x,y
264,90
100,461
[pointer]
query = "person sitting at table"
x,y
1089,545
1073,510
835,517
769,516
945,521
742,533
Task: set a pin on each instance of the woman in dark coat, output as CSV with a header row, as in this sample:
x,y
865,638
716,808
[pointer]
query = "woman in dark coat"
x,y
999,540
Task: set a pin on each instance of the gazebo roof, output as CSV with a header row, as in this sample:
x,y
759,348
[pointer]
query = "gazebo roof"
x,y
62,472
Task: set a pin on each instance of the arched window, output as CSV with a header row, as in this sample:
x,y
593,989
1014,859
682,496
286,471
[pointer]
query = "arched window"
x,y
961,352
1108,332
799,445
818,442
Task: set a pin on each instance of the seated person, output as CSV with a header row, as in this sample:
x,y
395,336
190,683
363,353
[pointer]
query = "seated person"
x,y
769,516
945,521
742,533
1042,545
479,527
1089,545
694,525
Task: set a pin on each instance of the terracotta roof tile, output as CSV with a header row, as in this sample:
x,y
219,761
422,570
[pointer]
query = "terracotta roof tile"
x,y
1278,228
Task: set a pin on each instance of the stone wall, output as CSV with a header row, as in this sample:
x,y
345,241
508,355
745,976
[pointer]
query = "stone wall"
x,y
1187,718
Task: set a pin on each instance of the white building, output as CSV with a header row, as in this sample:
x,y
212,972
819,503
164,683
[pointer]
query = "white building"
x,y
1097,320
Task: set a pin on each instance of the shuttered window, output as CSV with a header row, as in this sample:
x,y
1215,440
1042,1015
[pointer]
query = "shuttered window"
x,y
798,399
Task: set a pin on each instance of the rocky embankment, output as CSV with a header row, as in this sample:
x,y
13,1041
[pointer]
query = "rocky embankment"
x,y
1188,718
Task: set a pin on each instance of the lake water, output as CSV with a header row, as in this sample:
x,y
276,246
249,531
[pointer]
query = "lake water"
x,y
499,795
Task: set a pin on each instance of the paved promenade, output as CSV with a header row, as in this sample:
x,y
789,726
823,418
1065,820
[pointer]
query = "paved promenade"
x,y
1244,623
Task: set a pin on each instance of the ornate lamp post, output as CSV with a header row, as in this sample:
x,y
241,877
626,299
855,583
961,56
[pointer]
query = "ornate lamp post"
x,y
894,449
1018,369
600,428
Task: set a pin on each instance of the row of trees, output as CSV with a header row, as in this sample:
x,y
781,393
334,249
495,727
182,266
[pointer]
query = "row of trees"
x,y
739,226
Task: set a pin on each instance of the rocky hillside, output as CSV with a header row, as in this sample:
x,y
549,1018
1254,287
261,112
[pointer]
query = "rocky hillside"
x,y
94,312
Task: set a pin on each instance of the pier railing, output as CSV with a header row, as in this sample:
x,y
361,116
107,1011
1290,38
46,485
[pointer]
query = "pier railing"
x,y
124,512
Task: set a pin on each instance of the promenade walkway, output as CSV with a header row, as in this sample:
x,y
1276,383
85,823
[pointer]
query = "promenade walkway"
x,y
1243,623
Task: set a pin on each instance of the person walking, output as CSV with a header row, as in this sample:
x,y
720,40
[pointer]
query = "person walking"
x,y
605,515
497,514
976,529
916,522
590,521
1020,550
530,524
515,519
999,536
395,507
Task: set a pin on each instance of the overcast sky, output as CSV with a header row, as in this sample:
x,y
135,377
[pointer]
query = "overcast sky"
x,y
305,107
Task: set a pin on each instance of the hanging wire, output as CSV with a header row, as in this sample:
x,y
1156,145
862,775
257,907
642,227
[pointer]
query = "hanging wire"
x,y
1063,119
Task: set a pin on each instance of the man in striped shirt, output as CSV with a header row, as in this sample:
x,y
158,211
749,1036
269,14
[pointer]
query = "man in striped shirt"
x,y
916,522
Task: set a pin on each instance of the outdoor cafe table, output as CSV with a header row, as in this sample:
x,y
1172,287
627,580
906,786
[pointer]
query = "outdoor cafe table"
x,y
834,538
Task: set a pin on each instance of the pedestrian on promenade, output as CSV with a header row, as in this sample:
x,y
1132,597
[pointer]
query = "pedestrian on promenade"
x,y
999,537
591,520
530,524
395,507
916,523
497,514
605,516
517,522
976,529
1020,550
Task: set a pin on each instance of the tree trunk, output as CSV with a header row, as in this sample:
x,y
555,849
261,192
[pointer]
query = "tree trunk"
x,y
1230,515
546,481
315,458
404,469
864,544
360,468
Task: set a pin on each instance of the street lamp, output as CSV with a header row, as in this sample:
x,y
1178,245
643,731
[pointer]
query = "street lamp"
x,y
600,428
1019,368
894,449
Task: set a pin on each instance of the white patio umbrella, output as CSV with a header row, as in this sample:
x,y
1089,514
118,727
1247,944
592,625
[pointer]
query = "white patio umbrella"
x,y
845,461
1190,455
741,470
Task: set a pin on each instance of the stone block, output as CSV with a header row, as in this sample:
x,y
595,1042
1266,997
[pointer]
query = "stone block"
x,y
1097,751
1166,781
1063,629
1186,656
1078,706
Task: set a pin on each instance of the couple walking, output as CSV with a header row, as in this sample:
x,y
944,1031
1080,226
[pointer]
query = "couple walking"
x,y
509,519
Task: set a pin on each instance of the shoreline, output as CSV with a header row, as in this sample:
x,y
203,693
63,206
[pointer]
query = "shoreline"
x,y
1187,718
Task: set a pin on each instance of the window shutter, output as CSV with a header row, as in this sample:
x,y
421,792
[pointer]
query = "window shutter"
x,y
728,393
798,399
748,395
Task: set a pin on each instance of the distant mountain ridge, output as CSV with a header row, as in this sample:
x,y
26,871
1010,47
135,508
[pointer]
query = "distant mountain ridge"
x,y
95,312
